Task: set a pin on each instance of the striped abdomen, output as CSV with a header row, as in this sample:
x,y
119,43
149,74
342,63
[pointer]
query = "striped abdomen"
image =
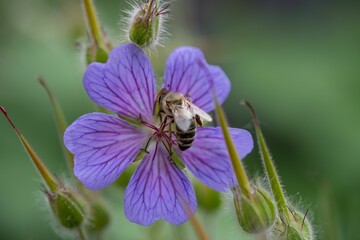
x,y
185,139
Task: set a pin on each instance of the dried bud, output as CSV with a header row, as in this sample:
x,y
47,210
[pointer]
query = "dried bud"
x,y
66,208
255,214
145,24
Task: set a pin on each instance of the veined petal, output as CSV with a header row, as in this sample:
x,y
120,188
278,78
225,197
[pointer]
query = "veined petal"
x,y
159,190
103,146
185,73
208,157
125,84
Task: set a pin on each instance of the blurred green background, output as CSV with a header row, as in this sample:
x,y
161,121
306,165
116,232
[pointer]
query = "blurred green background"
x,y
298,62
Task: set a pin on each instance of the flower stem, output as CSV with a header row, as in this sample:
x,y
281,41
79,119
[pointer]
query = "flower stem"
x,y
60,121
93,23
81,233
48,178
200,231
239,169
270,167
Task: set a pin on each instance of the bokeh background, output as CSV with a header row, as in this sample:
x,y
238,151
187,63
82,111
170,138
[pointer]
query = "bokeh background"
x,y
298,62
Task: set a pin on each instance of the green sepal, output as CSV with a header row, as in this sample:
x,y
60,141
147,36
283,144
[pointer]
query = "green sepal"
x,y
95,54
178,161
144,29
124,178
299,228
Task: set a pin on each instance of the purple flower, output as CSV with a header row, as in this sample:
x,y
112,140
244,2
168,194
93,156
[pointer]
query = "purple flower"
x,y
105,145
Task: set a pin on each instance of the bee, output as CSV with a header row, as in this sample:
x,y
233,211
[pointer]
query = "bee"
x,y
185,115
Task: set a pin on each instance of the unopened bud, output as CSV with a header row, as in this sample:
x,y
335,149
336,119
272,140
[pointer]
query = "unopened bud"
x,y
145,23
66,208
298,228
256,213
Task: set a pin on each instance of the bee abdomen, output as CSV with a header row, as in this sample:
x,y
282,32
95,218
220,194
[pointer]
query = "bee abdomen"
x,y
185,139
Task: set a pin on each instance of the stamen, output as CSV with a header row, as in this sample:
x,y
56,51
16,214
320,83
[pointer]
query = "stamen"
x,y
148,142
146,123
168,149
156,147
164,134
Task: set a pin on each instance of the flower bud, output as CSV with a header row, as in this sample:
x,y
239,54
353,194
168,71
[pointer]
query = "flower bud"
x,y
255,214
145,24
299,228
207,198
66,208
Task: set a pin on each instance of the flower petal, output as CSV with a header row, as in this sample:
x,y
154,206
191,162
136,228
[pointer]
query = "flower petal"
x,y
125,84
159,190
103,146
185,73
208,157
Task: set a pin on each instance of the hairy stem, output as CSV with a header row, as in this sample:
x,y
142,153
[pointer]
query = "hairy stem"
x,y
60,121
270,168
239,168
93,23
48,178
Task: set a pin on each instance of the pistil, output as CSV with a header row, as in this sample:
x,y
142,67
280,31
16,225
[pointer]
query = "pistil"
x,y
163,132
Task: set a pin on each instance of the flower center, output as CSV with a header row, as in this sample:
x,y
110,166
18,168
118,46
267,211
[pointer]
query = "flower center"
x,y
162,133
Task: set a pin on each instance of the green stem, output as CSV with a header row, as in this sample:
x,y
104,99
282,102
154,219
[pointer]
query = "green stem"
x,y
60,121
93,23
48,178
270,168
81,232
239,169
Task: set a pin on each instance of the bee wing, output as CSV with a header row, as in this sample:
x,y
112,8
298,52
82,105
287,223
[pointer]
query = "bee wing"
x,y
201,113
182,117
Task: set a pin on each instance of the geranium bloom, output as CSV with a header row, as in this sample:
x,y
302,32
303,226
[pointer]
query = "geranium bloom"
x,y
105,145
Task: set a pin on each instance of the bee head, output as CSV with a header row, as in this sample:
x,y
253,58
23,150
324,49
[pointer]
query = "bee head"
x,y
160,96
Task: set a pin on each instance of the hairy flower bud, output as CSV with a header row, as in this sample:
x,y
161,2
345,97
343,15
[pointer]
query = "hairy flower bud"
x,y
298,228
255,214
145,23
66,208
